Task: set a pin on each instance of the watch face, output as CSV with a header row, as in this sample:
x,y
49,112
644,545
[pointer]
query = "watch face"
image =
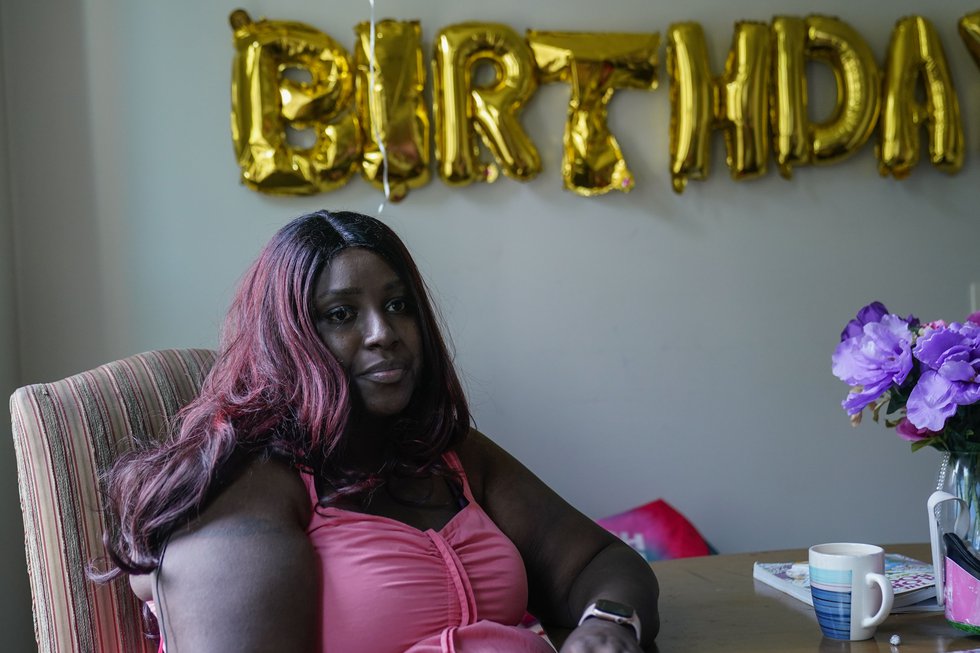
x,y
612,607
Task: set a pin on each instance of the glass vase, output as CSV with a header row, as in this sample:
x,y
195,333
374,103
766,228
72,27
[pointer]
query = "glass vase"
x,y
959,474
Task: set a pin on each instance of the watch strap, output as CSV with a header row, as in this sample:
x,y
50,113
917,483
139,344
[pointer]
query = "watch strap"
x,y
618,613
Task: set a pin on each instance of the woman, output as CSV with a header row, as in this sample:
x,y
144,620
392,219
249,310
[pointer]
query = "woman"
x,y
325,491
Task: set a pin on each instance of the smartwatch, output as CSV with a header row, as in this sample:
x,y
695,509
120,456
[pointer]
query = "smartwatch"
x,y
615,612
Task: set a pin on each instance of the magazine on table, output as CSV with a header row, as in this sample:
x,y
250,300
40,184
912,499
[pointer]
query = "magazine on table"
x,y
912,580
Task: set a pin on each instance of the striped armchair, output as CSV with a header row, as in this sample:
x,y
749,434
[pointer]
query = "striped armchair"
x,y
66,434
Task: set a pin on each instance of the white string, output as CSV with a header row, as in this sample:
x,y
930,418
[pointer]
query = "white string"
x,y
374,117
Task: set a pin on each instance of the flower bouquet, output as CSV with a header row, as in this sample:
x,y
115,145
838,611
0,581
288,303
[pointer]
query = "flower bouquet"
x,y
923,379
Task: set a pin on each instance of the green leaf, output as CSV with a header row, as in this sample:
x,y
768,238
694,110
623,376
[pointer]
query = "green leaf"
x,y
894,405
928,442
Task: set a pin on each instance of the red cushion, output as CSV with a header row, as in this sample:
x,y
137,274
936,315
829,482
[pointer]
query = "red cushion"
x,y
657,531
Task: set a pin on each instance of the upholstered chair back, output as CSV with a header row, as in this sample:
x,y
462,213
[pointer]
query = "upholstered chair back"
x,y
66,435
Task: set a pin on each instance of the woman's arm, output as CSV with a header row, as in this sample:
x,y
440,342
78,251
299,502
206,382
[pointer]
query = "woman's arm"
x,y
242,576
571,561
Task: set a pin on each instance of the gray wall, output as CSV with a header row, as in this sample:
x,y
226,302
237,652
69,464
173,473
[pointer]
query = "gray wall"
x,y
15,602
626,347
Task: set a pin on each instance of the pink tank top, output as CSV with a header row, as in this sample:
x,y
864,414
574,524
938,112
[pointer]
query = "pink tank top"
x,y
391,588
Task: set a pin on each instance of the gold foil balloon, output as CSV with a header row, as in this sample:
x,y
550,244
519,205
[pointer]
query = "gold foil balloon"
x,y
744,94
465,109
792,142
796,141
691,103
594,65
392,110
268,102
969,27
858,88
736,102
916,53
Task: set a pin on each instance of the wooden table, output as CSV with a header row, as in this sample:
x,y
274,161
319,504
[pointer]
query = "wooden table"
x,y
713,604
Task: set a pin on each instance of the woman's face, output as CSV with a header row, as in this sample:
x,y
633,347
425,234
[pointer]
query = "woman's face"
x,y
366,318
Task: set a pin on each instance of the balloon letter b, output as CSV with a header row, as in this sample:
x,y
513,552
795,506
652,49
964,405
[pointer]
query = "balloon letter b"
x,y
265,102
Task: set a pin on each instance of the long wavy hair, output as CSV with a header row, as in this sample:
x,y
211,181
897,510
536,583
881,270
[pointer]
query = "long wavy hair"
x,y
276,390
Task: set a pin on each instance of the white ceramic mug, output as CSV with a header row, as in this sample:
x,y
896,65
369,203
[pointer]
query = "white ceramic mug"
x,y
851,594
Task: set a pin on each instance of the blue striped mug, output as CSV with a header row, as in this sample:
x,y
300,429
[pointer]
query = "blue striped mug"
x,y
851,594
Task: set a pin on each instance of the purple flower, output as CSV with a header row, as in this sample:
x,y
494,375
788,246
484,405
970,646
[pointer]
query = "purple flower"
x,y
874,358
873,312
950,360
973,317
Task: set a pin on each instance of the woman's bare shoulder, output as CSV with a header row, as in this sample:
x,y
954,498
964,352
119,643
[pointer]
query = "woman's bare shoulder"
x,y
475,444
266,490
265,496
483,456
475,452
269,488
246,563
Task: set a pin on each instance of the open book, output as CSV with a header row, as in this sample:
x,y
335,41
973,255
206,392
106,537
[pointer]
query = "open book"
x,y
912,580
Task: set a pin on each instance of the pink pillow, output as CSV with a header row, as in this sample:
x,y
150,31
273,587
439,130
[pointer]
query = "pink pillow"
x,y
658,532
